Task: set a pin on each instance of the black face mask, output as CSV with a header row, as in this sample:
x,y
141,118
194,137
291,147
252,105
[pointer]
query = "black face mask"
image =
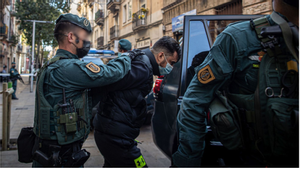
x,y
81,52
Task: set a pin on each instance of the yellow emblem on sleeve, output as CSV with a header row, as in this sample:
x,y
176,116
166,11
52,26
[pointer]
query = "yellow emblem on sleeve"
x,y
140,162
93,67
205,75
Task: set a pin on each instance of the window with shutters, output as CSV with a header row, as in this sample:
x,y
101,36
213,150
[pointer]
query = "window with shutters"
x,y
129,11
142,4
124,14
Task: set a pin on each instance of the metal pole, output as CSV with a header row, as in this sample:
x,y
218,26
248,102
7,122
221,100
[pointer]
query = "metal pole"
x,y
9,96
32,55
4,118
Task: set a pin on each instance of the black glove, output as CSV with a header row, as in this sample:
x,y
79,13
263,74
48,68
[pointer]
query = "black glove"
x,y
131,54
134,53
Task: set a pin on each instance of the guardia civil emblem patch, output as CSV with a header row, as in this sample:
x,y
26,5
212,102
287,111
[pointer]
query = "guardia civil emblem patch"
x,y
93,67
86,22
205,75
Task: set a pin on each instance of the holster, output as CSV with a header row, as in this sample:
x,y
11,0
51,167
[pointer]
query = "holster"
x,y
55,155
79,157
45,160
42,158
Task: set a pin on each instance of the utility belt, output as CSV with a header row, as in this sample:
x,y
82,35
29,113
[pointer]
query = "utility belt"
x,y
49,153
13,78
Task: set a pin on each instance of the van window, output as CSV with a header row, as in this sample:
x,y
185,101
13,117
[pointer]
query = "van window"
x,y
198,48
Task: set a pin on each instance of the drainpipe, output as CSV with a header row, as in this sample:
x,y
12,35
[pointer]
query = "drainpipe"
x,y
151,12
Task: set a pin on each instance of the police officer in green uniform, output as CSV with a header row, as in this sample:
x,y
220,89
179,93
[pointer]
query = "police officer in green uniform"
x,y
14,77
249,84
124,46
63,102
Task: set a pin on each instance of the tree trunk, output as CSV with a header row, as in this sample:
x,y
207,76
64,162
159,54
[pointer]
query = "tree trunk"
x,y
42,56
38,54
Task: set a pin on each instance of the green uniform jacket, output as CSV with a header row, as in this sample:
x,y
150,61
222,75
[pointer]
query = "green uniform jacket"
x,y
13,73
230,61
75,76
13,77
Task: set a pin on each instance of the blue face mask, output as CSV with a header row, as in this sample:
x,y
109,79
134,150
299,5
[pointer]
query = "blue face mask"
x,y
119,54
165,70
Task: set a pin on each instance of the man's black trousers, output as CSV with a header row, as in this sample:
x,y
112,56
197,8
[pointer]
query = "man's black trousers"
x,y
119,152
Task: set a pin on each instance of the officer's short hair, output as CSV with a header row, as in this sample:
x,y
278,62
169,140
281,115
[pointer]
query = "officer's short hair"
x,y
63,28
167,45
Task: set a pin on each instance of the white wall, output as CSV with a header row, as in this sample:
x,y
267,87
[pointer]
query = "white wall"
x,y
73,7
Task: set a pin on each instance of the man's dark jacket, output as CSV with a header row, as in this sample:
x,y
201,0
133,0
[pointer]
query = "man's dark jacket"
x,y
122,109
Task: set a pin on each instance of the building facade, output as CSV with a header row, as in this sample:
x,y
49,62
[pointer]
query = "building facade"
x,y
95,12
143,22
12,47
139,21
172,9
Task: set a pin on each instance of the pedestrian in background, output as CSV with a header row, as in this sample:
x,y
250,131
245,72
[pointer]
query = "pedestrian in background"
x,y
14,77
123,46
4,69
3,78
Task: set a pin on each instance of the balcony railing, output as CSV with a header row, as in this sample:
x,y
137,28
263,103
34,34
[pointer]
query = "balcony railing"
x,y
113,5
114,32
13,39
99,17
3,31
79,8
139,20
112,1
90,2
19,48
100,42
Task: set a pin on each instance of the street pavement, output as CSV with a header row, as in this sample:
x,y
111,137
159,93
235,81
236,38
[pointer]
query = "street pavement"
x,y
22,115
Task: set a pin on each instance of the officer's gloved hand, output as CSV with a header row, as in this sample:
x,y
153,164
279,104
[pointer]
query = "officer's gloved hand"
x,y
131,54
134,53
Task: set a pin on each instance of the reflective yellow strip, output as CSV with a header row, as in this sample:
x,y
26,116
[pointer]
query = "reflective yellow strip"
x,y
140,162
256,65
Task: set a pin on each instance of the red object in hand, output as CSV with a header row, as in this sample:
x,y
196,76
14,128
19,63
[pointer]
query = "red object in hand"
x,y
157,85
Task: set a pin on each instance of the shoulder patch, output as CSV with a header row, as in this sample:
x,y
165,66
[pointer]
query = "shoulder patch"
x,y
93,67
205,75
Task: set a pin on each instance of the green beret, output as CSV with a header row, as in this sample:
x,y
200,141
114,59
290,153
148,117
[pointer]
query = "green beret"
x,y
124,44
13,62
76,20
